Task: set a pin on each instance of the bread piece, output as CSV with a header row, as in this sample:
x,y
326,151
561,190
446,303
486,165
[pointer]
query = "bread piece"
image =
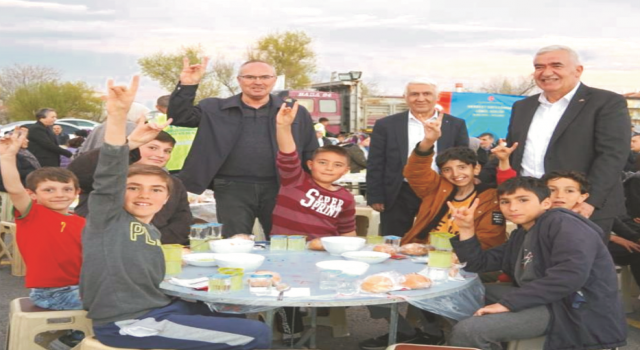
x,y
316,244
385,248
416,281
275,277
415,249
377,284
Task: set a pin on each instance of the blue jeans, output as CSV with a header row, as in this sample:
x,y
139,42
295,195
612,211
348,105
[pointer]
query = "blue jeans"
x,y
60,298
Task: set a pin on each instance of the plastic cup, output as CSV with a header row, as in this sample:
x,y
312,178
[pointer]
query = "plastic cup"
x,y
236,274
172,258
393,241
296,243
347,284
260,284
440,259
278,242
219,283
375,240
329,279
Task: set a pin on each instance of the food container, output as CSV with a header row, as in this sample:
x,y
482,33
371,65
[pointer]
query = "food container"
x,y
373,240
337,245
393,241
347,284
296,243
172,258
219,284
260,284
236,276
329,279
278,242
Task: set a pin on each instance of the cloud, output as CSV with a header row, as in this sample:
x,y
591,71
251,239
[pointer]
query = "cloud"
x,y
51,6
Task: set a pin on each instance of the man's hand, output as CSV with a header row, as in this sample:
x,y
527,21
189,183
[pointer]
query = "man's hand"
x,y
491,309
502,152
379,207
636,220
432,131
464,216
192,74
585,209
286,115
120,98
145,132
627,244
11,144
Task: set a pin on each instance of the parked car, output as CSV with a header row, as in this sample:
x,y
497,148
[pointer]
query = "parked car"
x,y
81,123
68,129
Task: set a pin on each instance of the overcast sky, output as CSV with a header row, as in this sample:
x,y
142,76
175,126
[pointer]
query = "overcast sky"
x,y
465,41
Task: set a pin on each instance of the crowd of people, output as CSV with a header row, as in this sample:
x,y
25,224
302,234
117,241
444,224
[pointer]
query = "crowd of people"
x,y
562,174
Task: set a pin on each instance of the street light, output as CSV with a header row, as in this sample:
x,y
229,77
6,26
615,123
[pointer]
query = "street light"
x,y
351,76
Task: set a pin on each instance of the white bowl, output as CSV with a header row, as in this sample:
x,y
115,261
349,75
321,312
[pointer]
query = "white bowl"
x,y
367,257
339,244
248,262
350,267
199,259
231,245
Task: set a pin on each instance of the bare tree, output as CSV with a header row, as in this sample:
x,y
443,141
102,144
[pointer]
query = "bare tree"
x,y
21,75
509,85
224,72
370,88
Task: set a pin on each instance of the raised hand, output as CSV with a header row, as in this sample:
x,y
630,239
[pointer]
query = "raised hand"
x,y
145,132
11,144
286,115
464,216
432,131
502,151
120,98
191,74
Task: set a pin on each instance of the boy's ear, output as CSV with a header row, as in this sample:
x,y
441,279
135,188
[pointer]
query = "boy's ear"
x,y
32,194
476,169
309,162
546,203
583,197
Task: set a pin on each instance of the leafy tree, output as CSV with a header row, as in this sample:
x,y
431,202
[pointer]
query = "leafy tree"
x,y
224,72
510,86
19,75
69,99
165,69
290,53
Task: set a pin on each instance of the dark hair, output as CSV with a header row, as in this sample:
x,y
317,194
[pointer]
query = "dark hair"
x,y
487,134
163,101
164,136
76,142
81,133
576,176
527,183
323,119
52,174
463,154
332,149
42,113
151,170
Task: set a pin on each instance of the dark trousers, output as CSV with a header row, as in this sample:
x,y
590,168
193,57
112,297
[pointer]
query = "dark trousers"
x,y
632,194
238,204
398,219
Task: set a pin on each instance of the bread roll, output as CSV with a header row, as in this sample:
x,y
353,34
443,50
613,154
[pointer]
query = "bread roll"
x,y
377,284
316,244
415,249
416,281
275,277
385,248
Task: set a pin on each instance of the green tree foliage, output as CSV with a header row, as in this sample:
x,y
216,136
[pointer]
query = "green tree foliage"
x,y
69,99
290,53
165,68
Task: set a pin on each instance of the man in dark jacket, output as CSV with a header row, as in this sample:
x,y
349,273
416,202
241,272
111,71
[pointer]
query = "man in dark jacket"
x,y
43,142
175,217
235,147
565,284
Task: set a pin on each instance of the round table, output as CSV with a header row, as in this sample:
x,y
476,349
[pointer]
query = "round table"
x,y
453,299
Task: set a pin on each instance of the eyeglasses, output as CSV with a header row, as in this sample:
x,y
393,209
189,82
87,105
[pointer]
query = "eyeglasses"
x,y
254,77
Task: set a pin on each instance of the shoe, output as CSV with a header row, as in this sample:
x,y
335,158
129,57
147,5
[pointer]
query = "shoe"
x,y
382,342
67,341
428,339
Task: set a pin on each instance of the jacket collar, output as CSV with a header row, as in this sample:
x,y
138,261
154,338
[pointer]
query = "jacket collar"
x,y
235,101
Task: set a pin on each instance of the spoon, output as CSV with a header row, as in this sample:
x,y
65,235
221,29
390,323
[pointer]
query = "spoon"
x,y
282,287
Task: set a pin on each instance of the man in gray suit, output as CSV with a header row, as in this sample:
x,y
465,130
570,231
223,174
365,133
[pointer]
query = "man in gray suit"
x,y
571,126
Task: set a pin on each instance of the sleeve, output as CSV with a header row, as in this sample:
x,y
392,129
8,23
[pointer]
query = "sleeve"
x,y
181,107
347,217
478,260
570,257
422,178
623,230
504,175
289,169
176,231
376,163
40,137
490,233
612,138
110,179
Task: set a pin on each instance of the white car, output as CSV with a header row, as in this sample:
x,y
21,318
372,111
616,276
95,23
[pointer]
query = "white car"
x,y
68,129
81,123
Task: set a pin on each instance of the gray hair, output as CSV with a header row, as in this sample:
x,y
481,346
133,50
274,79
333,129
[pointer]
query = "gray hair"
x,y
421,81
572,54
257,61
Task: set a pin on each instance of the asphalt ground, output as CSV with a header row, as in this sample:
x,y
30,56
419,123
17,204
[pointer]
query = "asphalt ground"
x,y
361,327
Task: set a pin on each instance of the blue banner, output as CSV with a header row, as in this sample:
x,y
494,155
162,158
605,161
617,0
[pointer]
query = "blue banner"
x,y
483,112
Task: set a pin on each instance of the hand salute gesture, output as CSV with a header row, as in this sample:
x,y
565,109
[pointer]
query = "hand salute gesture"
x,y
432,132
286,115
192,74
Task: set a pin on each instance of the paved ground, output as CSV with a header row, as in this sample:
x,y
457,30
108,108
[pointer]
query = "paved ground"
x,y
360,326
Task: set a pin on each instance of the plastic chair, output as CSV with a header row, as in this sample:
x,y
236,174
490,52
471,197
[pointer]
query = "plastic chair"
x,y
374,219
10,249
527,344
425,347
27,320
91,343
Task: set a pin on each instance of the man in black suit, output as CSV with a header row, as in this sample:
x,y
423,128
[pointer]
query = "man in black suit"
x,y
571,126
42,141
392,140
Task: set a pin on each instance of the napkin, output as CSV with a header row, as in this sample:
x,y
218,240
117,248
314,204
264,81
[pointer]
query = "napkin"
x,y
201,283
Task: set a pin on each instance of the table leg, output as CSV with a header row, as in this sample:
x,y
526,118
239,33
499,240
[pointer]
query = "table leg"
x,y
393,323
314,321
268,320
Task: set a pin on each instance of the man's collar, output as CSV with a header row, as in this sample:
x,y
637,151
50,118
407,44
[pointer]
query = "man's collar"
x,y
543,99
236,101
411,116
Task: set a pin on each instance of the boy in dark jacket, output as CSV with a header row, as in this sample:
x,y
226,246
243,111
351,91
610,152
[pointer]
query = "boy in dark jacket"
x,y
565,284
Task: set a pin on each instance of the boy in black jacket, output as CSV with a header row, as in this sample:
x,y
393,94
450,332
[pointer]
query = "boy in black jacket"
x,y
565,284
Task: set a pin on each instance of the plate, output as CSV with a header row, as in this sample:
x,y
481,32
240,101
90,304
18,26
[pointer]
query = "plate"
x,y
369,257
350,267
200,259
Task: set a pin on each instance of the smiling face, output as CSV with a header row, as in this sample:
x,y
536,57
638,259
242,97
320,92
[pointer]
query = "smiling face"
x,y
145,196
421,99
565,193
327,167
460,174
556,73
155,153
523,207
55,195
256,89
